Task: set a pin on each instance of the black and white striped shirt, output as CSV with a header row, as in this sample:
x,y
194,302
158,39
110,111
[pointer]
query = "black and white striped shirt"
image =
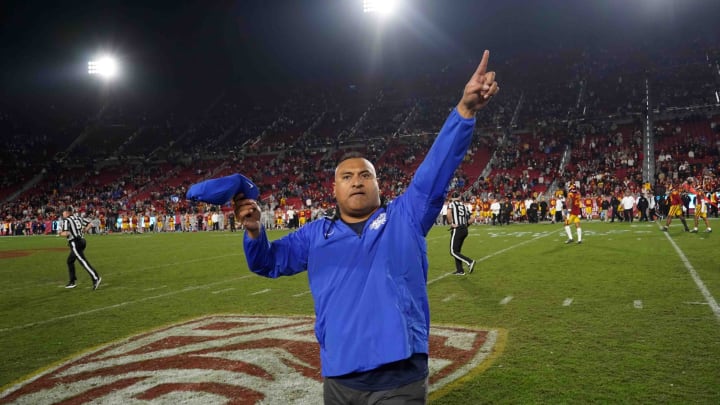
x,y
460,213
75,225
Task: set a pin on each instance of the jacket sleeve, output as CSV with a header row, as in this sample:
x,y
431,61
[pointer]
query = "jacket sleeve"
x,y
427,189
283,257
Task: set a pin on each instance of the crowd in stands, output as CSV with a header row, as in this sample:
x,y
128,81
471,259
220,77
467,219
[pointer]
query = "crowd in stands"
x,y
586,125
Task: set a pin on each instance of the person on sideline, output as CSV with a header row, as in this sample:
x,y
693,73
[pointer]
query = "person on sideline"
x,y
73,228
642,206
628,205
559,209
457,216
367,265
495,210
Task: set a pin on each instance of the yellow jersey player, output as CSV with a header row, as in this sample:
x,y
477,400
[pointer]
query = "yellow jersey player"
x,y
574,211
676,208
701,210
588,208
486,211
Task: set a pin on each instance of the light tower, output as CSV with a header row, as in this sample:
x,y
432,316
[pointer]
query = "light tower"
x,y
381,7
105,67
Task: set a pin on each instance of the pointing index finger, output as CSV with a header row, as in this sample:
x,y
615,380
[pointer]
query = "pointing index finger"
x,y
483,64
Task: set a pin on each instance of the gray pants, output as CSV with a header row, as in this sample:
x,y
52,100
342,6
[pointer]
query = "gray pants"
x,y
414,393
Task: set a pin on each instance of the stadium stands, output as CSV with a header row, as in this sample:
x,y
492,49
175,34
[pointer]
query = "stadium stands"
x,y
577,117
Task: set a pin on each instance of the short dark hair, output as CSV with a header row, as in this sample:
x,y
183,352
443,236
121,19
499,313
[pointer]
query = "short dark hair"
x,y
455,194
68,209
351,155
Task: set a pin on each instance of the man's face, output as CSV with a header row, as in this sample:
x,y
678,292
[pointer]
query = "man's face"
x,y
65,214
356,189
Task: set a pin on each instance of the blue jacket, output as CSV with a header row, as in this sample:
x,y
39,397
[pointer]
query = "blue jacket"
x,y
370,293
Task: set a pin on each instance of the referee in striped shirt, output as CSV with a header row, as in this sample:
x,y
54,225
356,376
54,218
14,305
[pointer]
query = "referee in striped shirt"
x,y
457,216
73,227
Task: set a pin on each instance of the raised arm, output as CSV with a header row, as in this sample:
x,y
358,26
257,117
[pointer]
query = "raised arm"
x,y
478,90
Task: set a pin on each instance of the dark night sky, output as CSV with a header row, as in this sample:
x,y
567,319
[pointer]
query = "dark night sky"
x,y
197,47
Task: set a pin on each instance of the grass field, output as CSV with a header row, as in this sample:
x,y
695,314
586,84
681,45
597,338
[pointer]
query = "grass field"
x,y
629,316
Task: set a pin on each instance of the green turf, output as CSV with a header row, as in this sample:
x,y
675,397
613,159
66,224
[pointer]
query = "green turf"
x,y
636,328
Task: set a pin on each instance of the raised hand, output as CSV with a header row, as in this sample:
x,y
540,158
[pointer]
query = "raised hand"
x,y
478,90
247,213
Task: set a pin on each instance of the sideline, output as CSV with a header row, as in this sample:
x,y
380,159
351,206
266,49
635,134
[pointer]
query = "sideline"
x,y
122,304
698,281
482,259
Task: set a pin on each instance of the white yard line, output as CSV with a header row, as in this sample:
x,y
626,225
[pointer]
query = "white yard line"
x,y
567,302
155,288
506,300
122,304
223,291
449,298
698,281
267,290
203,259
495,254
134,270
302,293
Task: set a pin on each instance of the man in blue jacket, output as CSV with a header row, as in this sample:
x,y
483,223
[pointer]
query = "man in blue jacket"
x,y
367,266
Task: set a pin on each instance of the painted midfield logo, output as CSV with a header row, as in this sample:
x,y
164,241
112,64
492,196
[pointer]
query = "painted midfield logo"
x,y
227,359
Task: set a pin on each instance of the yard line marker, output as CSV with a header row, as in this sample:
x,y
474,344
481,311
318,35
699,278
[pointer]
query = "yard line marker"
x,y
501,251
449,297
698,281
261,291
695,303
193,287
638,304
140,269
505,300
567,302
122,304
302,293
155,288
222,291
204,259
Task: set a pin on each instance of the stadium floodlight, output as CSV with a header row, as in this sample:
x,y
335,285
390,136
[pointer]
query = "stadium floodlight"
x,y
382,7
104,66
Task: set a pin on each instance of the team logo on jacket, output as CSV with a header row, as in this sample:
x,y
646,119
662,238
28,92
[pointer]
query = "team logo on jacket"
x,y
378,222
229,359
